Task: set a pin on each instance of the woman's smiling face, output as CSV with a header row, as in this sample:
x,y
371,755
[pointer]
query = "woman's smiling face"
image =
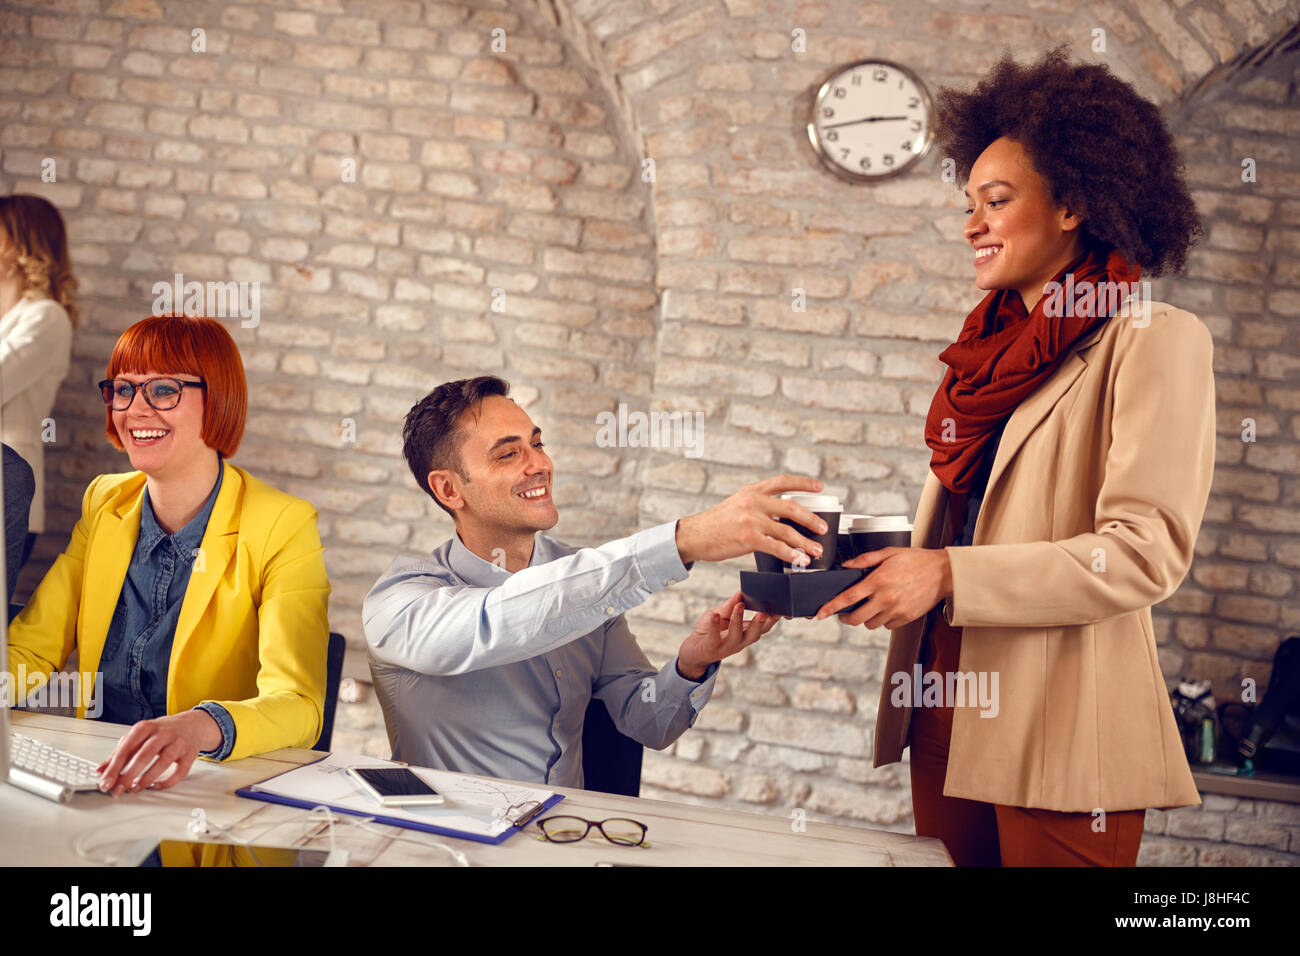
x,y
1021,239
159,441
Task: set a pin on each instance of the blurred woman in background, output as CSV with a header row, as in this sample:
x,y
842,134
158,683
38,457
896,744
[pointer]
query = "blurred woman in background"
x,y
37,317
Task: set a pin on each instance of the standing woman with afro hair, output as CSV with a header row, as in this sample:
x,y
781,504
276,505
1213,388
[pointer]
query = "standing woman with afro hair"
x,y
1072,443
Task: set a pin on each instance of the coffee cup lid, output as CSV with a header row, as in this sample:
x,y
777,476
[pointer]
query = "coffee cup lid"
x,y
882,523
846,522
814,502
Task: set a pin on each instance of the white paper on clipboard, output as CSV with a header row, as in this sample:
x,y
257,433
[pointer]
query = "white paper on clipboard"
x,y
474,805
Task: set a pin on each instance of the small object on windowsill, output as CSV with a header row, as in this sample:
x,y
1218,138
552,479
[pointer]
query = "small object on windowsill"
x,y
1247,769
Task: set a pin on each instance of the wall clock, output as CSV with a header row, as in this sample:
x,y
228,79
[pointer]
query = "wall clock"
x,y
871,120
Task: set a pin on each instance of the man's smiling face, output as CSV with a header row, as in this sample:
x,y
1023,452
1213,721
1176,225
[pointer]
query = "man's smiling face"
x,y
507,478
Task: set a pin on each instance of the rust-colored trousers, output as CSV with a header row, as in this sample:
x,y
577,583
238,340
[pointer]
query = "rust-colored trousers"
x,y
986,834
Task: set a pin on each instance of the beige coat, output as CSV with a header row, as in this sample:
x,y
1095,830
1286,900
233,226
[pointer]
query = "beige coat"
x,y
1090,517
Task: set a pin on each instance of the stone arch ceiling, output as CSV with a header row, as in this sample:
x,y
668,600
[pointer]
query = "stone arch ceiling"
x,y
644,49
1166,53
638,47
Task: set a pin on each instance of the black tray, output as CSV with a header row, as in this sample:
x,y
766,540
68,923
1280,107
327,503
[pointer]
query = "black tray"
x,y
800,594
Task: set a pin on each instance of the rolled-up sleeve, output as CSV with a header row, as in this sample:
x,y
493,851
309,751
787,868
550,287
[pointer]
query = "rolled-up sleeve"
x,y
227,725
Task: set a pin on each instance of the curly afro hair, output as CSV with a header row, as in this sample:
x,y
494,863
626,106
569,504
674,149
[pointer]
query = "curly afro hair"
x,y
1102,149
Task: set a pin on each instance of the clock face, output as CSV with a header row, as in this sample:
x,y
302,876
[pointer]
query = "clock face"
x,y
871,120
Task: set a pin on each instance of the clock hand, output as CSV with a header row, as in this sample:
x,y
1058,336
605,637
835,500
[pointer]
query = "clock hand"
x,y
869,119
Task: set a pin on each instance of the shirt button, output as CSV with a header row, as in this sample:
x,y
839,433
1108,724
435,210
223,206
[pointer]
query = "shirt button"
x,y
610,609
672,581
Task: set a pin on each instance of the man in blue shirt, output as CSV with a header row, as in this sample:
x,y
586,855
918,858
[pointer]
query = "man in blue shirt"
x,y
486,653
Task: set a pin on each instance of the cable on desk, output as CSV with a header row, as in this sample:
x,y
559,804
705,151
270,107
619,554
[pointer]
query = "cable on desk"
x,y
198,825
78,841
456,855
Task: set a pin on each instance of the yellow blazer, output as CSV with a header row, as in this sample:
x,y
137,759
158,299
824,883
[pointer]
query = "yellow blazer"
x,y
1090,517
252,631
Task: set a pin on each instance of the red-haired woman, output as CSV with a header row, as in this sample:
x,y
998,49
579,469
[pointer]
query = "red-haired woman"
x,y
197,592
36,321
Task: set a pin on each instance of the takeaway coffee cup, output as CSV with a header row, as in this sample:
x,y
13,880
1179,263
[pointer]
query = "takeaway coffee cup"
x,y
829,509
844,542
871,533
826,507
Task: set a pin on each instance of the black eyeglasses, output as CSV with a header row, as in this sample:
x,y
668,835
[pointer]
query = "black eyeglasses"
x,y
621,832
160,393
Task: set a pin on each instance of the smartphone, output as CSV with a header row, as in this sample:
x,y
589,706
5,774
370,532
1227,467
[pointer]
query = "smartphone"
x,y
395,787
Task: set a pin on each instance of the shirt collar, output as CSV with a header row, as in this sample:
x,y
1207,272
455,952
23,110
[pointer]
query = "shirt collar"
x,y
478,573
186,538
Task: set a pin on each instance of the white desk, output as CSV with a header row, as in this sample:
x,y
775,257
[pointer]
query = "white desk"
x,y
35,831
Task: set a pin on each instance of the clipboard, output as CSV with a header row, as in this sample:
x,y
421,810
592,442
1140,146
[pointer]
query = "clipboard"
x,y
322,782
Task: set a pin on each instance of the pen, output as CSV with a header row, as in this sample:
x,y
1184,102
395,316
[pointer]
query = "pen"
x,y
523,820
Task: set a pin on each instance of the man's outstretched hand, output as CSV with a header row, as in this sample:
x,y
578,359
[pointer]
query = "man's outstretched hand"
x,y
720,632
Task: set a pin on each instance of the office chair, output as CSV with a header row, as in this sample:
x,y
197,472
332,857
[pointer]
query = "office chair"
x,y
611,762
333,677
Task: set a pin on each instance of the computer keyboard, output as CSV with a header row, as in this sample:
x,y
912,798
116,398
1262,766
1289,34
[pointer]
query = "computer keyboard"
x,y
52,773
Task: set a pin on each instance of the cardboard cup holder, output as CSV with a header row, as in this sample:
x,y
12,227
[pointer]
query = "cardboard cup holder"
x,y
802,593
798,594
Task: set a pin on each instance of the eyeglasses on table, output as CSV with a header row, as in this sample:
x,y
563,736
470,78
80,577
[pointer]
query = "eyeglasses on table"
x,y
617,830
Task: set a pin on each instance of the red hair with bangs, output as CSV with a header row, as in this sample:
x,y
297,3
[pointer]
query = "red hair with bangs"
x,y
193,345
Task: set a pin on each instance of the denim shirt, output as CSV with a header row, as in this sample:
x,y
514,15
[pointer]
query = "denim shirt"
x,y
137,651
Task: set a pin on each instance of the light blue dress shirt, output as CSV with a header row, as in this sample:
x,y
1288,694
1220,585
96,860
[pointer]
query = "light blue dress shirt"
x,y
482,671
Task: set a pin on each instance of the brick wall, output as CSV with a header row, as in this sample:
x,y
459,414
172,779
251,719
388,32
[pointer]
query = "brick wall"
x,y
1244,282
388,180
1223,831
1225,622
522,171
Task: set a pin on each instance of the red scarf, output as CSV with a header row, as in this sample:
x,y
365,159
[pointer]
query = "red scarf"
x,y
1002,355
